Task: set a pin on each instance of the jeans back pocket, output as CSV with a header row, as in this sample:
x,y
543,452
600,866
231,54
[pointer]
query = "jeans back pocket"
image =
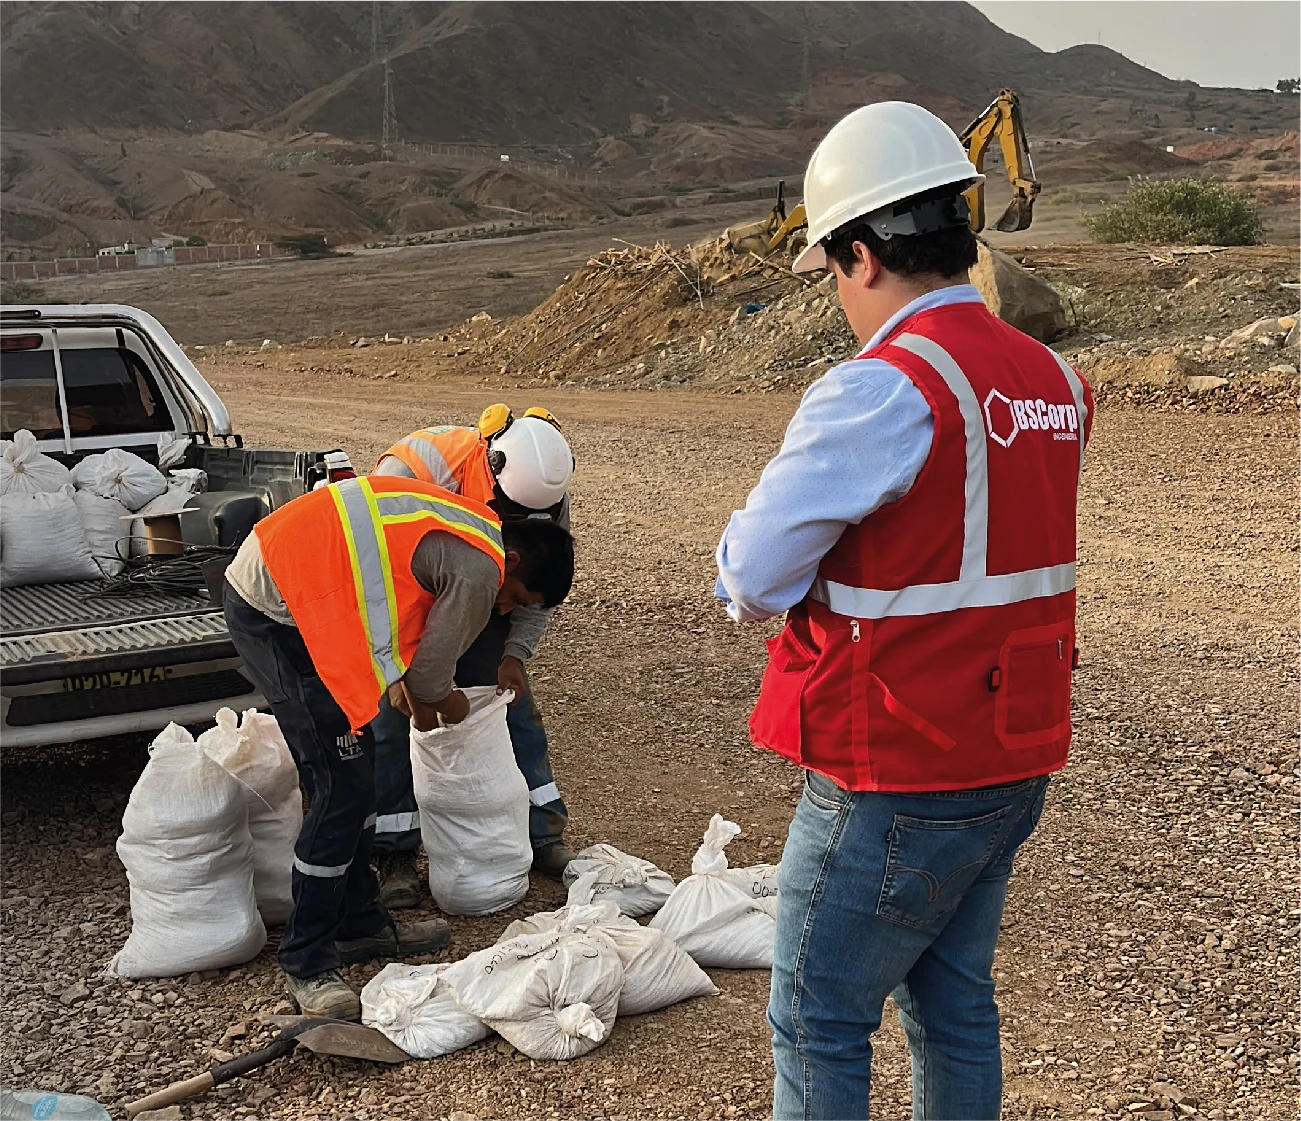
x,y
931,865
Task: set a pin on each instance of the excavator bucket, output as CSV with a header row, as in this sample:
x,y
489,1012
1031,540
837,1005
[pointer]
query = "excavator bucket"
x,y
1017,216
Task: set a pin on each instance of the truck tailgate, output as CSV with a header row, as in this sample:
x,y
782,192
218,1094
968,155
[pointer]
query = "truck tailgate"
x,y
57,630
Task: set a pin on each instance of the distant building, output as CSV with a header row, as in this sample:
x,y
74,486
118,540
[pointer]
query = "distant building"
x,y
118,250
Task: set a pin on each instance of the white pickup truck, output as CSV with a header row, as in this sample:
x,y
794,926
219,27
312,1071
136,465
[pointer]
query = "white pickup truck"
x,y
77,665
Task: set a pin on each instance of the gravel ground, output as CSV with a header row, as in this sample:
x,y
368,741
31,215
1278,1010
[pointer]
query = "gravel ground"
x,y
1149,962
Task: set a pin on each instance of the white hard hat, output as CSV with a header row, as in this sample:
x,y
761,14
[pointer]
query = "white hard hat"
x,y
538,462
878,155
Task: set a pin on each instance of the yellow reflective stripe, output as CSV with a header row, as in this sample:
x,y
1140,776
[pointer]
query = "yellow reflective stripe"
x,y
494,545
357,580
386,569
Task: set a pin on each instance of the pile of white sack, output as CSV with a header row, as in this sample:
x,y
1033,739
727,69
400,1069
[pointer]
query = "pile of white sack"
x,y
58,525
208,845
553,984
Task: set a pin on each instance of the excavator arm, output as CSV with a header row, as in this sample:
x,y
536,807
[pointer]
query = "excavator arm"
x,y
1002,119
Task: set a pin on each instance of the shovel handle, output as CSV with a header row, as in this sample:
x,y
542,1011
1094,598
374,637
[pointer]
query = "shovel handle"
x,y
176,1092
202,1083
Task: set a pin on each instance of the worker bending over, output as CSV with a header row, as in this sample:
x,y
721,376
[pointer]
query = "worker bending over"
x,y
366,589
918,527
520,467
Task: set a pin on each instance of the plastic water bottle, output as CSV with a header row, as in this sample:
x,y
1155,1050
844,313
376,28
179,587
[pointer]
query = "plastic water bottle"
x,y
25,1105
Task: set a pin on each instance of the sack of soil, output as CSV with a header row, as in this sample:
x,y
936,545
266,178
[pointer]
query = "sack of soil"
x,y
657,972
603,873
103,521
121,475
189,862
715,914
474,809
254,752
552,995
24,470
415,1007
42,540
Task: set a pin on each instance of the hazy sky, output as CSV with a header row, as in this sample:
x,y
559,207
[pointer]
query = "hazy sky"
x,y
1246,43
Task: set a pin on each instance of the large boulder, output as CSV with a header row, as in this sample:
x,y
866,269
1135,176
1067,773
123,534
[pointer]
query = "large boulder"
x,y
1016,296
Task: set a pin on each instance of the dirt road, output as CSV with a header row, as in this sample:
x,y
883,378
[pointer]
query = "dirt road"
x,y
1151,932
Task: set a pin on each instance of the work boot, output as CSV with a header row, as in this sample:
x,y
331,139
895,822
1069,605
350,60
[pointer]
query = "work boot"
x,y
399,881
552,859
398,942
326,994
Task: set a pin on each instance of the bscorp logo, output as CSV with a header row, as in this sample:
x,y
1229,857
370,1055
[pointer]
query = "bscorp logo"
x,y
1005,418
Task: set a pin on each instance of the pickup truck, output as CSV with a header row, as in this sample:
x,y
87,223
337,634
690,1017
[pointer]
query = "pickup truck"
x,y
77,665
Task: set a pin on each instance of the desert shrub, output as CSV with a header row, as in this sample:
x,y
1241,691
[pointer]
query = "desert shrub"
x,y
1178,212
467,206
1273,165
1250,177
500,274
196,240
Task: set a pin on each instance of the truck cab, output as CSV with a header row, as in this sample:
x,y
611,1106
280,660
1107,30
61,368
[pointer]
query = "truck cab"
x,y
82,660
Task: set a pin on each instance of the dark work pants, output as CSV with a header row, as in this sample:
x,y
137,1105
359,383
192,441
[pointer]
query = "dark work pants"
x,y
335,891
398,828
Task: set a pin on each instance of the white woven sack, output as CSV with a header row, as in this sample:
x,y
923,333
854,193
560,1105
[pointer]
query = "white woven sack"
x,y
603,872
415,1007
121,475
24,470
41,540
657,972
553,995
188,859
255,753
713,916
102,520
759,882
474,809
172,501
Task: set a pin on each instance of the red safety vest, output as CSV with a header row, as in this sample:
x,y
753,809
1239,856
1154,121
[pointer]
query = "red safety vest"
x,y
934,650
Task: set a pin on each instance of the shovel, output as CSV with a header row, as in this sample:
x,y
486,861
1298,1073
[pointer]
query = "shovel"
x,y
317,1033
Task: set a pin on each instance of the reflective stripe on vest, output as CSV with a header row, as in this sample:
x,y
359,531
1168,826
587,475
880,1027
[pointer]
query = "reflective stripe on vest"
x,y
974,586
422,446
363,515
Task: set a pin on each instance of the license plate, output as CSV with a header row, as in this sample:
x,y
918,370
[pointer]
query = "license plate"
x,y
117,679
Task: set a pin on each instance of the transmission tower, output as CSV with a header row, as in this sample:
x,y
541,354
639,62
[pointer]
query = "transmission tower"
x,y
390,130
378,50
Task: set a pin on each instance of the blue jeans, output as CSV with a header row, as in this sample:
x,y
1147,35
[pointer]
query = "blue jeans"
x,y
398,829
902,894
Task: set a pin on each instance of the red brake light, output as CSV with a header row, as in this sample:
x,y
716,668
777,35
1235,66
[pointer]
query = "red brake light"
x,y
20,342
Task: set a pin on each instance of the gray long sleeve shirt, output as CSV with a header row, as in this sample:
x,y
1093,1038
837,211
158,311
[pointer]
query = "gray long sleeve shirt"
x,y
464,579
527,624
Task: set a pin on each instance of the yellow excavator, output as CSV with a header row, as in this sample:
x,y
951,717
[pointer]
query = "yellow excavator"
x,y
1001,119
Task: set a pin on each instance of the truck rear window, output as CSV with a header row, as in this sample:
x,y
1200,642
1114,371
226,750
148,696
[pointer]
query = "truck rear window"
x,y
110,393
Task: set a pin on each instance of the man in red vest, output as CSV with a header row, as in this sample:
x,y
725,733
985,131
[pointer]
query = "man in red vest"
x,y
918,529
363,589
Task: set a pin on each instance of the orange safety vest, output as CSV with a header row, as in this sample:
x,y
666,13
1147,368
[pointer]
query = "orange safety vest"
x,y
341,557
450,457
